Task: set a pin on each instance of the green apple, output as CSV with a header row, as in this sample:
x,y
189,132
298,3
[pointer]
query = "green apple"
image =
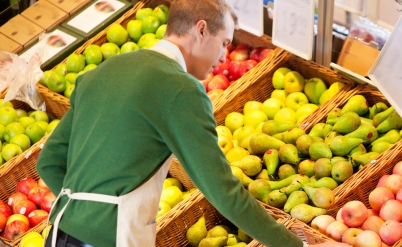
x,y
259,127
151,43
304,111
75,62
175,182
313,89
331,92
161,13
43,125
25,121
285,115
13,129
109,50
117,34
278,76
134,29
163,209
129,47
21,113
69,90
254,118
57,83
93,54
293,82
143,41
7,115
7,103
34,132
71,77
40,116
295,100
46,74
234,121
150,24
160,33
52,125
61,69
90,67
51,116
172,196
2,131
142,13
280,94
81,72
10,150
21,140
251,106
271,107
244,132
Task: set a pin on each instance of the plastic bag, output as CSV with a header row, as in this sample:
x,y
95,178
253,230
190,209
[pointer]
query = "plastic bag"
x,y
365,30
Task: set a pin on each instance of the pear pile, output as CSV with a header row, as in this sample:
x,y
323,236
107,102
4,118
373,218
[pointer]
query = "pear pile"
x,y
217,236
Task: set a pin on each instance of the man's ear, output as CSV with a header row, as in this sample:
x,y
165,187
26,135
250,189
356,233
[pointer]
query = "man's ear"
x,y
201,28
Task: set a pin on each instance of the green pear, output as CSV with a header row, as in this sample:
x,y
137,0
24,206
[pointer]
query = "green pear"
x,y
240,244
341,145
377,108
213,242
304,142
321,197
357,104
306,213
341,171
296,184
233,239
306,167
336,159
277,199
322,168
336,112
313,179
330,136
271,161
366,132
295,198
288,153
217,231
272,127
244,179
332,121
251,165
260,143
197,232
319,150
347,123
320,130
260,189
394,121
380,117
290,136
286,170
380,146
327,182
277,185
361,149
244,237
391,136
366,121
263,175
364,159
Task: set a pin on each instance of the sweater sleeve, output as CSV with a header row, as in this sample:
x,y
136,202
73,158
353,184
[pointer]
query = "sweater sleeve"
x,y
192,138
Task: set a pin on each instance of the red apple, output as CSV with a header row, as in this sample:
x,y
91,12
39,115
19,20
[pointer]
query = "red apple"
x,y
399,196
16,197
37,193
6,210
339,215
207,80
394,183
255,53
371,212
19,217
368,238
37,216
42,183
230,47
372,223
1,202
214,93
236,70
265,53
354,213
349,236
397,168
391,210
249,64
15,229
379,196
3,222
222,69
46,203
382,180
391,232
218,82
25,185
240,53
24,207
321,222
336,229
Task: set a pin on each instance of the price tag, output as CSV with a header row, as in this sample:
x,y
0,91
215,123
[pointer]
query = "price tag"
x,y
249,14
293,26
386,71
354,6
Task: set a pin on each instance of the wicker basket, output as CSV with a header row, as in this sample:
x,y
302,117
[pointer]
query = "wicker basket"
x,y
172,231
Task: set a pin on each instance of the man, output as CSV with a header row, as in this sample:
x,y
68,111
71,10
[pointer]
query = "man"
x,y
112,150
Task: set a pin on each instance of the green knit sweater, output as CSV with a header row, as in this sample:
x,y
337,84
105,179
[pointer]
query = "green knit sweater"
x,y
124,122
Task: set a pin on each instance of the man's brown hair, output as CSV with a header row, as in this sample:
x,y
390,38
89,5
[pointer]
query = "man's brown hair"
x,y
184,14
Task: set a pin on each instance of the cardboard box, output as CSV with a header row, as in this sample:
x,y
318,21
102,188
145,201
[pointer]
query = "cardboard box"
x,y
45,14
54,47
96,17
70,6
21,30
357,56
9,45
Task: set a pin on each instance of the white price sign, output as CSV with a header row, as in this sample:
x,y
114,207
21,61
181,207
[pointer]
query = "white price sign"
x,y
293,26
249,14
387,69
354,6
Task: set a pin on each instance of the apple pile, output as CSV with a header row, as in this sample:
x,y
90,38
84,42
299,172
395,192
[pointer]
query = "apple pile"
x,y
381,225
28,206
239,59
148,28
20,129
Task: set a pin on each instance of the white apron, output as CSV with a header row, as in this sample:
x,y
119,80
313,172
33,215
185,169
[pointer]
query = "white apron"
x,y
136,225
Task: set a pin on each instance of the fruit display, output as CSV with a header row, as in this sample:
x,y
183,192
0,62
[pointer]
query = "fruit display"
x,y
148,26
26,208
